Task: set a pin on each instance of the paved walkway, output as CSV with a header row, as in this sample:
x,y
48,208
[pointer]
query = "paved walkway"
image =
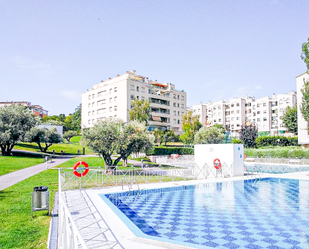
x,y
10,179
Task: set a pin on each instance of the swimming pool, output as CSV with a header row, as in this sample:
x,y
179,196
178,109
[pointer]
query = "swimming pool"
x,y
271,213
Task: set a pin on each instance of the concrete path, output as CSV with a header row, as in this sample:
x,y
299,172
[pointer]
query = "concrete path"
x,y
10,179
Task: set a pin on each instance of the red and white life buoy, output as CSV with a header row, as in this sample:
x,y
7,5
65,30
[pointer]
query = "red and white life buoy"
x,y
217,163
245,157
174,156
76,169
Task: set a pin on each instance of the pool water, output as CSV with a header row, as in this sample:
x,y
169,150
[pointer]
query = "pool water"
x,y
271,213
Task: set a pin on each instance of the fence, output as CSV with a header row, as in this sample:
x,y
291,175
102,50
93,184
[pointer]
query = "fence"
x,y
283,160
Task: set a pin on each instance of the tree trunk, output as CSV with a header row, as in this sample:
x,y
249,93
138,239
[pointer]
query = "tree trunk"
x,y
40,147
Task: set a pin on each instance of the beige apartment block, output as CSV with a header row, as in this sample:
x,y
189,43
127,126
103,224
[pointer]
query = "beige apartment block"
x,y
266,112
303,136
112,99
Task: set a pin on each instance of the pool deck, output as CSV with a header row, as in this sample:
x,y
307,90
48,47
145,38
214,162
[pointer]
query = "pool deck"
x,y
101,227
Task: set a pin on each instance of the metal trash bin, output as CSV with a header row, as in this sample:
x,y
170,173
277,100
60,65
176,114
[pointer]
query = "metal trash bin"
x,y
40,199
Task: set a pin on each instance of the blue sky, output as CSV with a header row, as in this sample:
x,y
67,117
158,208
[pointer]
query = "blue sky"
x,y
52,51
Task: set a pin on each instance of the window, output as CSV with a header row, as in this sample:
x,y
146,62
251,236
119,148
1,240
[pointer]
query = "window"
x,y
89,113
92,113
101,93
132,88
110,109
264,119
253,107
115,108
101,111
177,96
237,111
110,100
89,97
143,98
237,104
137,97
174,113
92,104
93,96
232,105
174,96
93,121
182,106
132,97
258,105
219,120
115,99
258,112
232,112
264,112
143,89
178,121
264,104
137,88
178,105
102,102
110,91
182,97
115,116
178,113
89,105
88,121
174,120
174,104
259,120
237,118
232,118
115,89
219,107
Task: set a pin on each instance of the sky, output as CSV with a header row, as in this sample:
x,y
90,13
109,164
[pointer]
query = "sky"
x,y
53,51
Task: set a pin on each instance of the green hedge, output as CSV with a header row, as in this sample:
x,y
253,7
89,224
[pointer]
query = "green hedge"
x,y
273,141
278,152
171,150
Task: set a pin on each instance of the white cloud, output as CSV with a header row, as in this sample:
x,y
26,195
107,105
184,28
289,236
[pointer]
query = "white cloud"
x,y
258,87
27,64
72,95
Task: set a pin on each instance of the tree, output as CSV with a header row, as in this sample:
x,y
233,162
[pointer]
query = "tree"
x,y
305,54
15,121
290,119
140,110
113,135
190,125
209,135
68,135
248,134
158,134
168,136
41,135
304,107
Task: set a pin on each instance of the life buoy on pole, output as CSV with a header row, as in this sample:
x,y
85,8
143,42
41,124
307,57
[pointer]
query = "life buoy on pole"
x,y
245,157
76,169
217,163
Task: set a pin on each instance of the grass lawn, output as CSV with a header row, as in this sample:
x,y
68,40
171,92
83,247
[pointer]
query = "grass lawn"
x,y
12,163
18,229
67,148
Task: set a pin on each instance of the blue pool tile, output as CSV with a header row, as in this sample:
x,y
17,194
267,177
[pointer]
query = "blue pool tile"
x,y
210,244
231,245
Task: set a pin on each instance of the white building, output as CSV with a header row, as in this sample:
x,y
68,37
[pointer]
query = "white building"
x,y
266,113
303,136
112,99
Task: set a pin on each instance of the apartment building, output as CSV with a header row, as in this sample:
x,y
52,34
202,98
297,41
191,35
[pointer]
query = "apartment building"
x,y
266,112
36,109
112,99
303,136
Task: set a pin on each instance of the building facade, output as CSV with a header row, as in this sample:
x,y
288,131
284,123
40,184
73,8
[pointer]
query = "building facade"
x,y
112,99
266,112
36,109
303,136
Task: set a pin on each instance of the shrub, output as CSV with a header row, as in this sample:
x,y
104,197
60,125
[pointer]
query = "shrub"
x,y
236,141
278,152
273,141
171,150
